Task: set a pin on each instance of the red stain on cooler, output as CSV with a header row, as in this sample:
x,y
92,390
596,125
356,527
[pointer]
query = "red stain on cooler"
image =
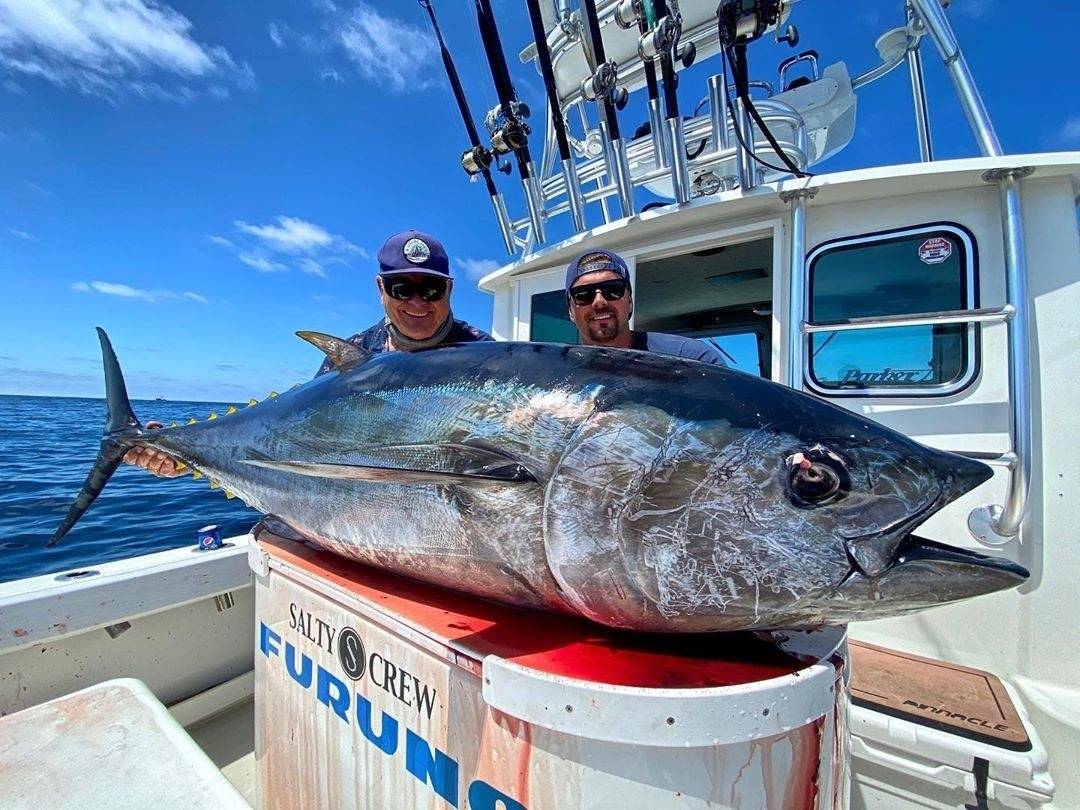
x,y
557,645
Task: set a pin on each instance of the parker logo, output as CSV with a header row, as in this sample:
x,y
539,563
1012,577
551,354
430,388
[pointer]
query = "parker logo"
x,y
350,650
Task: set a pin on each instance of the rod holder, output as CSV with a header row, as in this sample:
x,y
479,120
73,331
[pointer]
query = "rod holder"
x,y
623,181
498,202
659,133
680,172
573,195
534,202
718,93
747,172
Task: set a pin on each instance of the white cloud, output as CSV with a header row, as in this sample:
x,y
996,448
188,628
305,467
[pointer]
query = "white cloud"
x,y
973,9
261,263
1070,132
113,47
309,247
125,291
290,235
311,267
476,269
21,234
387,50
277,34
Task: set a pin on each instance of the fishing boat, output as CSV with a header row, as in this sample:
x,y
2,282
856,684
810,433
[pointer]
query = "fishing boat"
x,y
935,297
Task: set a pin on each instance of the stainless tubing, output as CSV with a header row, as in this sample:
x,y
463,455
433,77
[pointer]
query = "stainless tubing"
x,y
747,171
796,289
659,138
573,195
680,172
718,111
1016,499
922,112
505,228
985,315
534,202
933,18
623,181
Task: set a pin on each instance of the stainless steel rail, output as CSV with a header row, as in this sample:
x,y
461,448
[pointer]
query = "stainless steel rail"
x,y
918,93
796,341
986,315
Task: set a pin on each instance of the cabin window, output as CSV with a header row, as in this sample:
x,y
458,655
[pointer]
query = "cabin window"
x,y
550,321
909,272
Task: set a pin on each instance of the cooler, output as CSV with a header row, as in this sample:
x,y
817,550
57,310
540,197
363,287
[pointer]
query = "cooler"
x,y
374,690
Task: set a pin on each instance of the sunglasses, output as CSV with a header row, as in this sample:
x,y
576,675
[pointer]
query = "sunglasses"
x,y
429,289
586,293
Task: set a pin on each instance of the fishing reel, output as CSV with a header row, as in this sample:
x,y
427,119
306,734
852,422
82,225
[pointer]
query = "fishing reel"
x,y
603,84
664,37
747,20
509,133
476,160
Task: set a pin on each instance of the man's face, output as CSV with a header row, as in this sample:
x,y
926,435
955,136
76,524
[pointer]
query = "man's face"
x,y
600,321
414,317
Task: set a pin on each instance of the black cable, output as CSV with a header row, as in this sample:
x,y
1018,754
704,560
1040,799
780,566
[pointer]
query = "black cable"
x,y
741,78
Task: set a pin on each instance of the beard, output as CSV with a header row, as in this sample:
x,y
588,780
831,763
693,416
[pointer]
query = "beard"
x,y
604,331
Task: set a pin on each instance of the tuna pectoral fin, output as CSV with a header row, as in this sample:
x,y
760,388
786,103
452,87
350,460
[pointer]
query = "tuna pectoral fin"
x,y
414,464
121,431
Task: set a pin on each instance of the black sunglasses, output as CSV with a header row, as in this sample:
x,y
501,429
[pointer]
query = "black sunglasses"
x,y
586,293
429,288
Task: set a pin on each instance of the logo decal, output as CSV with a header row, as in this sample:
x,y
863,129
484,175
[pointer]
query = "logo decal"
x,y
417,251
351,653
935,251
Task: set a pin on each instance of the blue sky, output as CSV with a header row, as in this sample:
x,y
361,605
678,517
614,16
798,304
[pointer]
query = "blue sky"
x,y
204,178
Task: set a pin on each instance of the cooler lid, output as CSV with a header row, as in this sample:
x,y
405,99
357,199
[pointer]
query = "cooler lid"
x,y
112,745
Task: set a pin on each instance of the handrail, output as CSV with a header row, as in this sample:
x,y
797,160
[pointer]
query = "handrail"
x,y
985,315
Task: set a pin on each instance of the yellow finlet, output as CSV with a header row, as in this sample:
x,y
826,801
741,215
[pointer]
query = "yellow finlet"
x,y
230,410
213,415
174,425
214,484
272,395
180,466
193,421
294,385
252,402
229,495
196,475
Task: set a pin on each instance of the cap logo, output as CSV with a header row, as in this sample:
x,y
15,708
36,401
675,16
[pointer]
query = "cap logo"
x,y
594,262
416,251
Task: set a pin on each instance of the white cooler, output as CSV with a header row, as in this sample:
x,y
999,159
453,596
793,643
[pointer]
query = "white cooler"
x,y
379,691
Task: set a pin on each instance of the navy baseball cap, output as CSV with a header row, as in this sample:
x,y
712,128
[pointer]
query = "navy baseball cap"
x,y
413,252
593,262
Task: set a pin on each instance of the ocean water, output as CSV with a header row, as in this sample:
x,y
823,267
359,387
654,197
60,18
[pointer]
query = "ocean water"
x,y
47,446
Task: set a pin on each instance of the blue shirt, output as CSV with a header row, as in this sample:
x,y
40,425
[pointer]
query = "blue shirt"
x,y
374,338
677,346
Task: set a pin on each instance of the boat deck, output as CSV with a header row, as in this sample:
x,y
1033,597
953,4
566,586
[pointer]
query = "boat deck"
x,y
228,739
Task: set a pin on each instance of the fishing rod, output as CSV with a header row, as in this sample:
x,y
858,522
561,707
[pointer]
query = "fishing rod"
x,y
478,158
660,29
635,14
602,87
506,122
543,58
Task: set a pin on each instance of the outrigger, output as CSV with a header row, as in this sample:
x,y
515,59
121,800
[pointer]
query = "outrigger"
x,y
937,297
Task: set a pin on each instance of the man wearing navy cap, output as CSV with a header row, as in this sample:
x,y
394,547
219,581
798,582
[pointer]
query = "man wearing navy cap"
x,y
414,284
601,302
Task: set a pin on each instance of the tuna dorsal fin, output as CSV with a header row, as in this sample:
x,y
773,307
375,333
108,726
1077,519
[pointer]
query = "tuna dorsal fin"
x,y
413,464
342,354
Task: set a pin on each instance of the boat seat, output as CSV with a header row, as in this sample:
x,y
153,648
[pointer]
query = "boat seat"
x,y
938,694
112,745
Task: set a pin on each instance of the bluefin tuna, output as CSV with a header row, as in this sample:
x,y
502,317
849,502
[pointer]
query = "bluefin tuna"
x,y
640,491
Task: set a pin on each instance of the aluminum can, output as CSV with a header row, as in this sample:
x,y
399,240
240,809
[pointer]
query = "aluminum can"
x,y
209,538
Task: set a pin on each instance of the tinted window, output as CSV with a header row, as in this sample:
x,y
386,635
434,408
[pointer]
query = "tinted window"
x,y
908,273
550,320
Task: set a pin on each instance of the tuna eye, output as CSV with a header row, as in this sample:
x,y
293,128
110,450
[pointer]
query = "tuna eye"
x,y
816,477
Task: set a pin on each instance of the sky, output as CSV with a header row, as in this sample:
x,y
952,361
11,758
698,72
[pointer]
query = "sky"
x,y
204,178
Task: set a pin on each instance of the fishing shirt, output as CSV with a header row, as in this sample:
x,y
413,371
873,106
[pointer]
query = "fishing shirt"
x,y
677,346
375,338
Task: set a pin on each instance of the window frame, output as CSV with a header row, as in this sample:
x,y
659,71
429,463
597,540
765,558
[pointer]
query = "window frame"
x,y
969,286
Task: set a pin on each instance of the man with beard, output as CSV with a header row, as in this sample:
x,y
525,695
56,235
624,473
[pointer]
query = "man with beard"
x,y
414,286
601,302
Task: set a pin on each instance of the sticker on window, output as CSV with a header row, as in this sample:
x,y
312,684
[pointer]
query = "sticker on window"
x,y
935,250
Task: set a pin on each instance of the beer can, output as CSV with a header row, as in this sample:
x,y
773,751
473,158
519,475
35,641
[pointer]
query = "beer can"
x,y
209,538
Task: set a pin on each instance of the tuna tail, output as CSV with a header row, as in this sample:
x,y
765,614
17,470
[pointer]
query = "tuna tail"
x,y
122,430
